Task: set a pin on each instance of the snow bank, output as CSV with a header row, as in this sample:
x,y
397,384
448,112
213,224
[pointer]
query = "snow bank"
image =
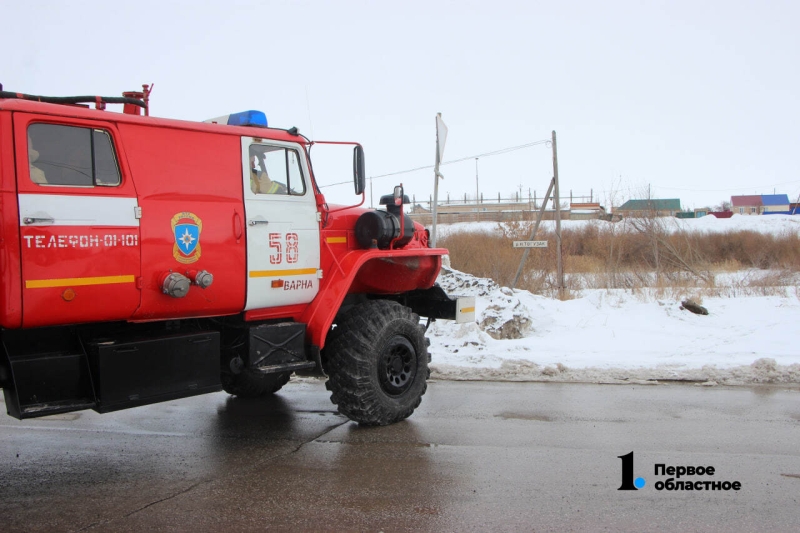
x,y
615,336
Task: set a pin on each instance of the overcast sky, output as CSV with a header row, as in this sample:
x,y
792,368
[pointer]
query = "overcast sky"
x,y
696,100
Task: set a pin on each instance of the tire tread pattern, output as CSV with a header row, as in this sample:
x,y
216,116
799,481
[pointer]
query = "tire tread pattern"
x,y
352,362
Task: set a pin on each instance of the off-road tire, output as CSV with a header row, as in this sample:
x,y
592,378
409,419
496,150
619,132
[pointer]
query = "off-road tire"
x,y
251,384
377,363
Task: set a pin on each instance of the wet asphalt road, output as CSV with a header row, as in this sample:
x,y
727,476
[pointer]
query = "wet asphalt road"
x,y
474,457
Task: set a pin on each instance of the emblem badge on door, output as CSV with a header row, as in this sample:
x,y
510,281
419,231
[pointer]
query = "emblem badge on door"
x,y
186,228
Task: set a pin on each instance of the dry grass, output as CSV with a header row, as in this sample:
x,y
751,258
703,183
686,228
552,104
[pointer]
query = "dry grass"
x,y
635,254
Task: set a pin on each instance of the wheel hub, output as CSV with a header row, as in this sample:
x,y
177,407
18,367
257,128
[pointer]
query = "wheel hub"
x,y
398,366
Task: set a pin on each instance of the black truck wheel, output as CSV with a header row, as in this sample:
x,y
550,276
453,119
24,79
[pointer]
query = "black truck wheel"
x,y
377,363
251,384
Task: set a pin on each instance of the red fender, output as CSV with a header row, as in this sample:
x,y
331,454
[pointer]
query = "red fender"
x,y
373,272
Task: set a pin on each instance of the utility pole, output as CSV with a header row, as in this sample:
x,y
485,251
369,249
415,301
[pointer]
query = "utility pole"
x,y
559,264
533,233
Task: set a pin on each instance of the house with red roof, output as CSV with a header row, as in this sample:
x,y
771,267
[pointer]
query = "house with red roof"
x,y
747,205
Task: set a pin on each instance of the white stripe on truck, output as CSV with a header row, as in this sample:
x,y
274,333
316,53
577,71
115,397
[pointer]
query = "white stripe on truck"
x,y
74,210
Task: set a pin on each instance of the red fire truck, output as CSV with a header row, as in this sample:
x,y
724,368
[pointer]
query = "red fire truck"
x,y
146,259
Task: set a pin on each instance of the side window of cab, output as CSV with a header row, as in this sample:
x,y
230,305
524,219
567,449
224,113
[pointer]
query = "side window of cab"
x,y
72,156
275,170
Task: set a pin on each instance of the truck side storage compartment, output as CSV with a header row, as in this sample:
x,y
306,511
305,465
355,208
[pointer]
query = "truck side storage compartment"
x,y
278,348
133,372
45,372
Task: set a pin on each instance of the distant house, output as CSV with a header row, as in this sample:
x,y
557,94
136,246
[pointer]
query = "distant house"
x,y
661,208
757,204
747,205
776,203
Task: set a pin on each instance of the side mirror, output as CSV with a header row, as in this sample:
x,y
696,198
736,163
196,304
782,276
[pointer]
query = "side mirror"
x,y
359,174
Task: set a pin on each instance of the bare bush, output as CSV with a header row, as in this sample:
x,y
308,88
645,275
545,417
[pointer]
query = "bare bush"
x,y
647,252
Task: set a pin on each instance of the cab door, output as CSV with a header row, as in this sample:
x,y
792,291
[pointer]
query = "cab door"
x,y
283,250
78,222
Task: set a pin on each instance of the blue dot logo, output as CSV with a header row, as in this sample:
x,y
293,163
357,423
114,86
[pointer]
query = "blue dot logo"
x,y
639,482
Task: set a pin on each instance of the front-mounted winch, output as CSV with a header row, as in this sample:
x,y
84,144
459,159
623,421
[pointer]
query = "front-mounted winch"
x,y
389,228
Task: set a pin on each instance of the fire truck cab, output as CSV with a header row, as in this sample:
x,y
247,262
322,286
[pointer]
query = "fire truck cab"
x,y
146,259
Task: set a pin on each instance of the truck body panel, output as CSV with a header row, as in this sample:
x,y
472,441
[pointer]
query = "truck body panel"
x,y
138,254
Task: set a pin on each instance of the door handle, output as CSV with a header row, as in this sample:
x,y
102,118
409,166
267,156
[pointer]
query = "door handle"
x,y
254,222
237,225
34,220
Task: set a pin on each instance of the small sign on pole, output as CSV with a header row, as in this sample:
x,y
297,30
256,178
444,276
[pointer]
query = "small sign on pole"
x,y
530,244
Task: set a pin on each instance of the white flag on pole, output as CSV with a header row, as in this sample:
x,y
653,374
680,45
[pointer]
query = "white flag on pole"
x,y
441,138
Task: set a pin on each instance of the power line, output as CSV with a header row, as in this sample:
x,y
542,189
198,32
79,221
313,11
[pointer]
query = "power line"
x,y
487,154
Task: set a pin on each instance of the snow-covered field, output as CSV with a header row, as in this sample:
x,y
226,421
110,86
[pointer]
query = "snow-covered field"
x,y
774,224
619,336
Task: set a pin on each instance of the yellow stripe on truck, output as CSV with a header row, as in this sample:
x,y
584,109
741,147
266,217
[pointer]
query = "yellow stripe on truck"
x,y
75,282
274,273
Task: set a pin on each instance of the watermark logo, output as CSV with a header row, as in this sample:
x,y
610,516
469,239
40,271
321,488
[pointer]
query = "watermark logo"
x,y
628,483
707,481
